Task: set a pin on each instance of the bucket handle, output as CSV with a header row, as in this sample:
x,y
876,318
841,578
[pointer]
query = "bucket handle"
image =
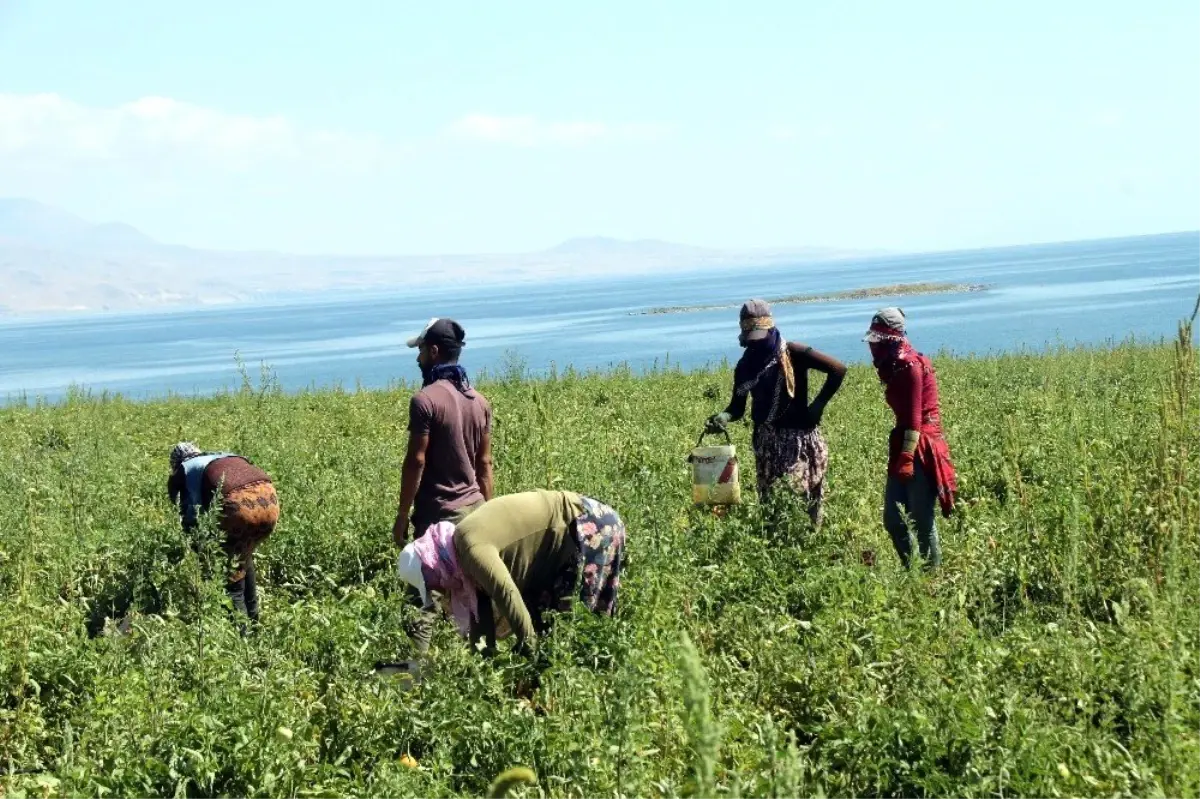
x,y
704,433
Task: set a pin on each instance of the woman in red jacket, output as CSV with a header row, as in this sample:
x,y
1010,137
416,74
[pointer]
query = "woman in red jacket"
x,y
920,473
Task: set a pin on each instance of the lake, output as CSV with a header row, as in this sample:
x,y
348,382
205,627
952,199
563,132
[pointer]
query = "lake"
x,y
1039,295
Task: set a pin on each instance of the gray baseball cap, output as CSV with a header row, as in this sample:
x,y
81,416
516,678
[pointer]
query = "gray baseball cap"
x,y
886,325
756,321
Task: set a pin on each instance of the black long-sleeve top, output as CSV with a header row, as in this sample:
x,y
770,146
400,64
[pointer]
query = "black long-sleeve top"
x,y
797,413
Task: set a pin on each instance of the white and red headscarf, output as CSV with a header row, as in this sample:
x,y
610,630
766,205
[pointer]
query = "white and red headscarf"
x,y
431,564
886,325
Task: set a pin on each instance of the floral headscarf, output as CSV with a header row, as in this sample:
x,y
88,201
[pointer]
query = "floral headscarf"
x,y
183,451
442,572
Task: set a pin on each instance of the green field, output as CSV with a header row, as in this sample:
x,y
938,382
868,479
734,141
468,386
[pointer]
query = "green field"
x,y
1054,654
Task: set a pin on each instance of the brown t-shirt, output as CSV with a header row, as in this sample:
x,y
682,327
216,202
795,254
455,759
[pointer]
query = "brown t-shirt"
x,y
456,424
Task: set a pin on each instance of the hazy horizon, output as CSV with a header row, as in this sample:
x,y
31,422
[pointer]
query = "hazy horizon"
x,y
10,234
561,245
54,262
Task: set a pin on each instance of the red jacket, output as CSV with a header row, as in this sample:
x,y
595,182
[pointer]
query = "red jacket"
x,y
911,391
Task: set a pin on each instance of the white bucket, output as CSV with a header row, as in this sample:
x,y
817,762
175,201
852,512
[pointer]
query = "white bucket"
x,y
715,474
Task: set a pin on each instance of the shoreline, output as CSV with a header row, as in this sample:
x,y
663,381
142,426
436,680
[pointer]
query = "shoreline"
x,y
894,290
486,378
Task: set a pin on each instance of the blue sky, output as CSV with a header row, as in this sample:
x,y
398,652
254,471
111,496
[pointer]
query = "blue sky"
x,y
389,127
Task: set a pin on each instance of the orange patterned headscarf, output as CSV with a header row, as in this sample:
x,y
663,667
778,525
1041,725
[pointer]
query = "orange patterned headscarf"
x,y
757,323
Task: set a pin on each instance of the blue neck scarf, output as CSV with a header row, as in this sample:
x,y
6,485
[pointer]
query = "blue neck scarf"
x,y
754,361
451,372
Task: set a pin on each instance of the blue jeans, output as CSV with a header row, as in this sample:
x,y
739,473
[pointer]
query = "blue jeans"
x,y
917,499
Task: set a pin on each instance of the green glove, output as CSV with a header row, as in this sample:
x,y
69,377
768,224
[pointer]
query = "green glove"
x,y
718,422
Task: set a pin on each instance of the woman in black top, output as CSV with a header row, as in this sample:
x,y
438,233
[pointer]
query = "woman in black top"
x,y
773,373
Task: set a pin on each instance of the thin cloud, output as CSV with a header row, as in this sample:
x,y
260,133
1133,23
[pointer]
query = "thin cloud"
x,y
783,132
793,132
529,131
50,130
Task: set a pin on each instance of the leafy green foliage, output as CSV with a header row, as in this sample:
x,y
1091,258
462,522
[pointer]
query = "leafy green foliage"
x,y
1055,653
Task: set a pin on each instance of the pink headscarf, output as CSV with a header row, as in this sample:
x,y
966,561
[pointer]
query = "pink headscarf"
x,y
439,567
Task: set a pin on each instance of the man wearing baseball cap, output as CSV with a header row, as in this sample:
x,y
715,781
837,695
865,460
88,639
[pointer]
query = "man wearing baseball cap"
x,y
448,467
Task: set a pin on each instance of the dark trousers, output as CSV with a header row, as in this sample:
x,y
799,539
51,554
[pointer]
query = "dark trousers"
x,y
916,499
243,592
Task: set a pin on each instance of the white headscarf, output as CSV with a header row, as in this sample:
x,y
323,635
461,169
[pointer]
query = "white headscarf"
x,y
408,567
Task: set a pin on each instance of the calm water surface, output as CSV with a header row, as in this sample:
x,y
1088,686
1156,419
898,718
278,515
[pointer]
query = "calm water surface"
x,y
1084,292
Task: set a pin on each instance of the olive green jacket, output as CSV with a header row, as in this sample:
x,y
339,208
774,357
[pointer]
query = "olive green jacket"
x,y
513,548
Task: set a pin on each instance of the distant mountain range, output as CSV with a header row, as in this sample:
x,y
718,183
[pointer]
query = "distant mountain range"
x,y
25,223
619,248
51,260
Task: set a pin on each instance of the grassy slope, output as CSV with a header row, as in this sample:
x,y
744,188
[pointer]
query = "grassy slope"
x,y
1056,653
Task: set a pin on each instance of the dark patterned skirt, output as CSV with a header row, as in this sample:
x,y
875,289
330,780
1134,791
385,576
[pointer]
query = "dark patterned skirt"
x,y
595,575
800,458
